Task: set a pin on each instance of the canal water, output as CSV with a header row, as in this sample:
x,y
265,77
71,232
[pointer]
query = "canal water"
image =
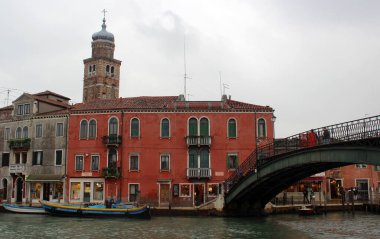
x,y
333,225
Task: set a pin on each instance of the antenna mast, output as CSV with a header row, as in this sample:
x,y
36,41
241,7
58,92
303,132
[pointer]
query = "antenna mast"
x,y
184,61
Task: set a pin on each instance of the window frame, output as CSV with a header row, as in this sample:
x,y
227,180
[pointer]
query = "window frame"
x,y
7,134
137,191
116,125
25,135
263,134
92,162
90,136
229,168
36,154
180,190
190,128
26,109
37,135
55,157
78,156
168,162
208,189
200,133
108,157
130,162
161,128
84,131
132,130
229,129
18,133
2,159
57,129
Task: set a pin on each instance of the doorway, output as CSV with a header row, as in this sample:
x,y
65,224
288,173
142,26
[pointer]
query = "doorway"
x,y
199,194
19,187
164,194
362,185
87,192
336,188
46,192
5,189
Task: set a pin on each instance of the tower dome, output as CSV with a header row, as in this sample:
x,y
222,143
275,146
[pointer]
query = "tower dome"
x,y
103,34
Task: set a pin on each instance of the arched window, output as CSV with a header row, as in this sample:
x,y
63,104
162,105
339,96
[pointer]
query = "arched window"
x,y
193,127
83,129
112,69
92,129
232,128
112,158
193,158
113,126
204,127
25,132
135,127
93,67
165,128
107,68
18,133
90,69
261,128
205,162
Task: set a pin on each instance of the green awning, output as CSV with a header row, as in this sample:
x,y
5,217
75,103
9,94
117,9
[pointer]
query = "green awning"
x,y
44,178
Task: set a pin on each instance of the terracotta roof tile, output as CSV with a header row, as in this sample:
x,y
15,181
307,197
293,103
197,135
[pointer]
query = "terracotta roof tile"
x,y
48,92
50,101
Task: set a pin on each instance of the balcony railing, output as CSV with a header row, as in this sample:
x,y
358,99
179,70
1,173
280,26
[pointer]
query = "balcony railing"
x,y
111,139
16,168
111,172
199,173
198,140
19,143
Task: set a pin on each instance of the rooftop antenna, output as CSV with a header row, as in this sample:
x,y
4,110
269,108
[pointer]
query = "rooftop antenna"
x,y
225,86
104,13
185,77
220,84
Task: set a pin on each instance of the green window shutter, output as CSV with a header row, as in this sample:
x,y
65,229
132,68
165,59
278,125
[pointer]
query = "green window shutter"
x,y
232,128
204,127
204,159
193,129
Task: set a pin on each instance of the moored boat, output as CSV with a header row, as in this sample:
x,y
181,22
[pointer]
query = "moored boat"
x,y
305,211
96,211
23,209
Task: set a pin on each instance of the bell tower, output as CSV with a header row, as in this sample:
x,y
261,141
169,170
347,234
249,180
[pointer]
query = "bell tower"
x,y
101,71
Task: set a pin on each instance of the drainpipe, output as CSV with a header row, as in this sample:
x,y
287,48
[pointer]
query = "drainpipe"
x,y
65,159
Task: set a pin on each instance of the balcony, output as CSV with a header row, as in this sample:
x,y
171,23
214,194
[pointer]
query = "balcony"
x,y
19,144
16,168
111,172
198,140
111,140
199,173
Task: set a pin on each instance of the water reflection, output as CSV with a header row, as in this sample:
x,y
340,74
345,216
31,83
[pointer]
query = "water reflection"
x,y
337,225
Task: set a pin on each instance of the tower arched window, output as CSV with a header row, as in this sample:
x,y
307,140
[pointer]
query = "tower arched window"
x,y
261,126
113,127
204,127
193,127
232,128
107,68
165,128
25,132
112,69
135,127
92,129
83,129
18,133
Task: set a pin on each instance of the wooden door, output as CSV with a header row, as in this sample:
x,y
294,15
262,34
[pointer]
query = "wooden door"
x,y
164,194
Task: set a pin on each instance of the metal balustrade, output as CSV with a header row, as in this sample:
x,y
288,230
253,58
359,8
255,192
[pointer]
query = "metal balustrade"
x,y
199,172
198,140
360,129
111,139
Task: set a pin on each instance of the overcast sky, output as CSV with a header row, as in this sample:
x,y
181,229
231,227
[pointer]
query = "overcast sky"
x,y
315,62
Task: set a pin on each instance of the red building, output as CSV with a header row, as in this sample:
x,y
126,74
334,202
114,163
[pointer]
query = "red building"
x,y
160,149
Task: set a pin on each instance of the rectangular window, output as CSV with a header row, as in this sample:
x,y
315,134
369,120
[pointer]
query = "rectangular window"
x,y
79,163
37,158
165,162
95,163
133,192
5,160
26,109
134,162
20,110
17,158
232,161
24,157
213,189
59,129
7,134
58,157
184,190
75,191
39,131
98,191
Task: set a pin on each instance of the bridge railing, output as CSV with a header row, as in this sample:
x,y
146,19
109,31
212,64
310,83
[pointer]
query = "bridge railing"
x,y
348,131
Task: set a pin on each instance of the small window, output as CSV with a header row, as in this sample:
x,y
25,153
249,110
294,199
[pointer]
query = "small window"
x,y
184,190
133,192
135,127
59,129
90,69
5,160
232,161
92,129
20,109
134,162
95,163
58,157
93,67
7,134
27,109
24,157
261,128
165,127
107,68
165,162
25,132
18,133
83,129
39,131
79,163
232,128
37,158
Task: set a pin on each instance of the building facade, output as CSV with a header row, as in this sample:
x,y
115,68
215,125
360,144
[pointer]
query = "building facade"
x,y
33,147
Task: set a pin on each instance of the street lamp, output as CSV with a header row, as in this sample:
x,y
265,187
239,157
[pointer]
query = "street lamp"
x,y
273,121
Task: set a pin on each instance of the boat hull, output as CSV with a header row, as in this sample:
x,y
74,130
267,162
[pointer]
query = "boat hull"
x,y
23,209
77,211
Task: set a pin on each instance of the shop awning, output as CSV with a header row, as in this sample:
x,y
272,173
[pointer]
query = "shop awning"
x,y
44,178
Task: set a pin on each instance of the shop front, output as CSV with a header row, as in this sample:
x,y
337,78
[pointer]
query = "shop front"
x,y
44,187
86,190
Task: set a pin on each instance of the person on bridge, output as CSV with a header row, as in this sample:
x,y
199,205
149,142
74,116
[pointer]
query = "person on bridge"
x,y
311,138
326,136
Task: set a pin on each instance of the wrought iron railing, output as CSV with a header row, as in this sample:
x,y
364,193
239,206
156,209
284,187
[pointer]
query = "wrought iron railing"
x,y
198,140
19,143
348,131
111,139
